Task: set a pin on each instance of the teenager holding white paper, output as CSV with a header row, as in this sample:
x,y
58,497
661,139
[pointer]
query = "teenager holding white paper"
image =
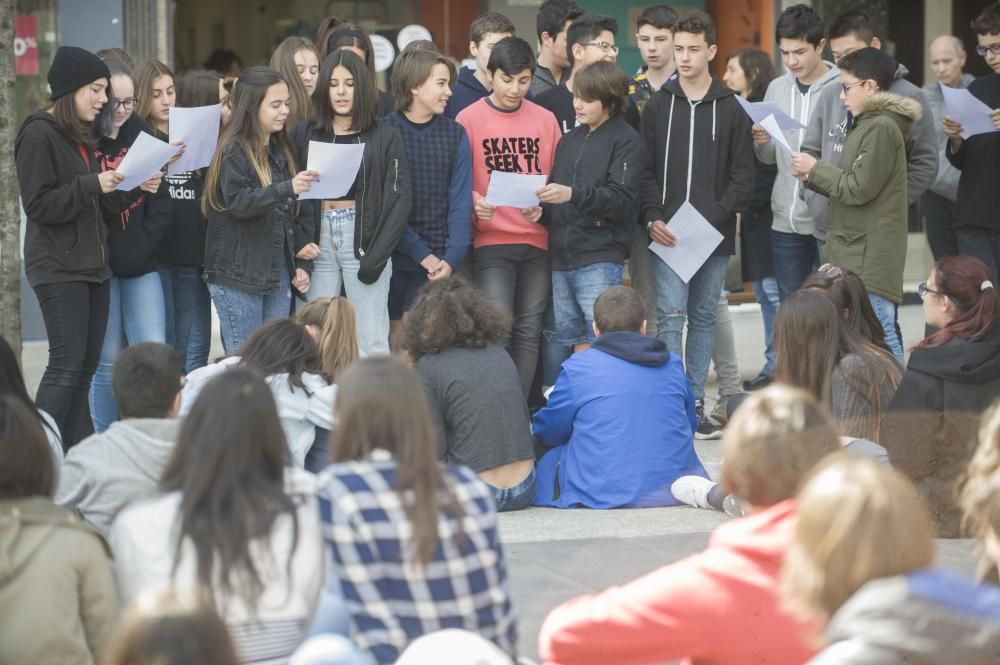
x,y
510,255
250,204
136,310
350,240
182,251
694,125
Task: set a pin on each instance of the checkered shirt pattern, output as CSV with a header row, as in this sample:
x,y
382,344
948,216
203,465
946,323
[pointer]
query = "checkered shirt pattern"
x,y
391,601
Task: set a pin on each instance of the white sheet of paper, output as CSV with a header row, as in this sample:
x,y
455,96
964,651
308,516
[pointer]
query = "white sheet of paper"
x,y
337,165
516,190
760,110
965,108
144,158
770,125
696,240
198,129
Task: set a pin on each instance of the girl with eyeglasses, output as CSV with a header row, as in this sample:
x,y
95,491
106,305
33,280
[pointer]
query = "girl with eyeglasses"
x,y
136,309
952,376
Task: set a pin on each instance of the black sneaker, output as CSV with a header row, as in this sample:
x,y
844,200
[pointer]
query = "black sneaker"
x,y
707,429
758,382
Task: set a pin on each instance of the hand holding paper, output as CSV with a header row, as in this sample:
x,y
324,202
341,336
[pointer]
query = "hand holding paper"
x,y
963,107
760,110
770,125
696,240
335,166
197,130
515,190
144,158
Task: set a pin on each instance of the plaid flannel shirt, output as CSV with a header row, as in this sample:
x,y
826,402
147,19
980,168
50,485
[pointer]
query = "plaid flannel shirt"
x,y
392,602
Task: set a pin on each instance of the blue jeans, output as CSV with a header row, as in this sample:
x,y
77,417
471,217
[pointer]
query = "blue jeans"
x,y
336,265
768,297
694,301
573,296
327,641
795,256
189,313
136,314
554,354
886,313
517,497
242,312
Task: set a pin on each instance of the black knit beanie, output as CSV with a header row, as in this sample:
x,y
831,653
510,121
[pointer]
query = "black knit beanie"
x,y
73,68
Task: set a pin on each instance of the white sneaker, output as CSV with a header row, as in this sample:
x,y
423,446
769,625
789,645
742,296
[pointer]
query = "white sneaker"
x,y
692,490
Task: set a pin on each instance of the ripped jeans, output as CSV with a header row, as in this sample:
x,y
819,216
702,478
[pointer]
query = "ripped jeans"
x,y
695,302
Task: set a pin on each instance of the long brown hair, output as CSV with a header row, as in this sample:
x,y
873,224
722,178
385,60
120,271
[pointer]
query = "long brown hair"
x,y
145,77
849,295
381,404
63,111
283,61
337,337
245,130
810,340
963,280
228,467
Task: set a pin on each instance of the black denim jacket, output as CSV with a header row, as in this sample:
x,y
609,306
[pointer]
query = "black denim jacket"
x,y
252,239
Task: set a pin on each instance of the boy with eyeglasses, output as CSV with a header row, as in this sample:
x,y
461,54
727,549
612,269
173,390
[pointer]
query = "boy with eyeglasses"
x,y
867,185
977,223
590,39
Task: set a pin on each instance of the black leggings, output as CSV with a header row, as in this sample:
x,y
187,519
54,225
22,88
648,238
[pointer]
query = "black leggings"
x,y
76,315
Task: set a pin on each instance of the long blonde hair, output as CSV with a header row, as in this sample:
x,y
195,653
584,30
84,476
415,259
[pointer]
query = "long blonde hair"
x,y
979,497
338,338
244,128
283,62
857,522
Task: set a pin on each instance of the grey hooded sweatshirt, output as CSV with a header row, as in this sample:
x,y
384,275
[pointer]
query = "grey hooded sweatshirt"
x,y
929,617
106,472
827,133
791,214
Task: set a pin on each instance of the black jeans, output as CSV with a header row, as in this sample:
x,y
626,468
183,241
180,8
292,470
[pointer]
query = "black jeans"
x,y
982,243
519,279
939,223
75,315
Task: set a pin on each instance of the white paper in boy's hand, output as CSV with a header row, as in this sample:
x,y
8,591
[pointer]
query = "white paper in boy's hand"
x,y
696,240
144,158
967,110
770,125
515,190
198,129
337,165
760,110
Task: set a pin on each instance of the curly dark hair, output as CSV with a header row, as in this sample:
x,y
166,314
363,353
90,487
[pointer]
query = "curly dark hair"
x,y
453,313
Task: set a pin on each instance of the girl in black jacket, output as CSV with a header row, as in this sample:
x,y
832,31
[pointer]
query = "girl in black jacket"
x,y
250,204
951,377
136,312
591,201
66,248
350,240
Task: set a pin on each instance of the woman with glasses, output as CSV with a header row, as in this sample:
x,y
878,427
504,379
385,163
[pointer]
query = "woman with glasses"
x,y
136,313
952,376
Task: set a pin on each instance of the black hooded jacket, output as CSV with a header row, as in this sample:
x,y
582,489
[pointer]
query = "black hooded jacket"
x,y
603,168
135,233
707,145
66,238
931,428
383,195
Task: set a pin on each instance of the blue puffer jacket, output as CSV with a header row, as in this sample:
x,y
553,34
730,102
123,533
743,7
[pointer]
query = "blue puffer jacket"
x,y
621,420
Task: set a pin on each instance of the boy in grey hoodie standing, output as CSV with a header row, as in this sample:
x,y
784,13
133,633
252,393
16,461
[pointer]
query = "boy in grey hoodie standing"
x,y
828,125
106,472
799,34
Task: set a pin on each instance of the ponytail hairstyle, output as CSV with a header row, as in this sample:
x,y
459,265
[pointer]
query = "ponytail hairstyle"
x,y
283,61
244,129
336,336
145,77
966,282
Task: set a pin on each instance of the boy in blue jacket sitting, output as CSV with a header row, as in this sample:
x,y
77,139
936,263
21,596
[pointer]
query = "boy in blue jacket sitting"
x,y
620,419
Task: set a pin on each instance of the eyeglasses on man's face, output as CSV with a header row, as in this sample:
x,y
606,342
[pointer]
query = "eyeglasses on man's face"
x,y
127,104
604,46
991,48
